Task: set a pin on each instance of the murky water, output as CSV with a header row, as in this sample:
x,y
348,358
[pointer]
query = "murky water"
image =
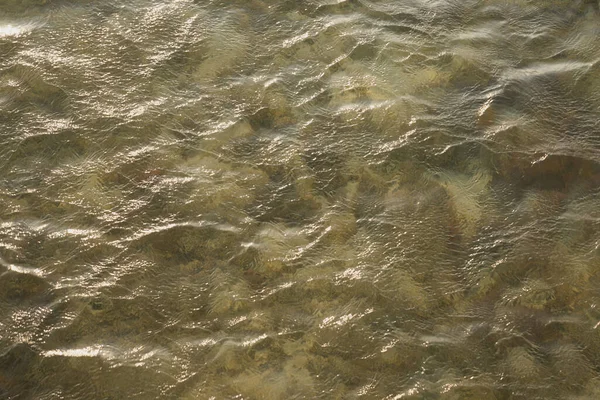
x,y
316,199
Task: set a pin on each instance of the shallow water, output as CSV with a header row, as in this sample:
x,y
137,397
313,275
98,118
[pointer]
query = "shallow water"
x,y
260,199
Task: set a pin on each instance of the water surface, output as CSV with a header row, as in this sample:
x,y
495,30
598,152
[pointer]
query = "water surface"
x,y
310,199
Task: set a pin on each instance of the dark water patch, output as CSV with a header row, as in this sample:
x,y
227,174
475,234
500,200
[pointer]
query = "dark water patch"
x,y
24,288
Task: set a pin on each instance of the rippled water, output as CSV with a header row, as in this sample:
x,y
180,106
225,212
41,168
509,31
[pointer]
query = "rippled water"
x,y
260,199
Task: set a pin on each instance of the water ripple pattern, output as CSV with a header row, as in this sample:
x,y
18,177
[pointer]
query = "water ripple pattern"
x,y
312,199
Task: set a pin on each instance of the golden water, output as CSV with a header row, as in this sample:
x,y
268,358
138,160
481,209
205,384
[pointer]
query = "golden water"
x,y
313,199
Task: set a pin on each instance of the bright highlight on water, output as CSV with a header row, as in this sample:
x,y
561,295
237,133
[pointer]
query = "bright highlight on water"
x,y
261,199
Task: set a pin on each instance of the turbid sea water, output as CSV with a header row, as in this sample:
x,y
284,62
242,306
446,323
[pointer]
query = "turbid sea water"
x,y
311,199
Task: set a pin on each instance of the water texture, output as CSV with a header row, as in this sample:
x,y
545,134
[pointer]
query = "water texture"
x,y
312,199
